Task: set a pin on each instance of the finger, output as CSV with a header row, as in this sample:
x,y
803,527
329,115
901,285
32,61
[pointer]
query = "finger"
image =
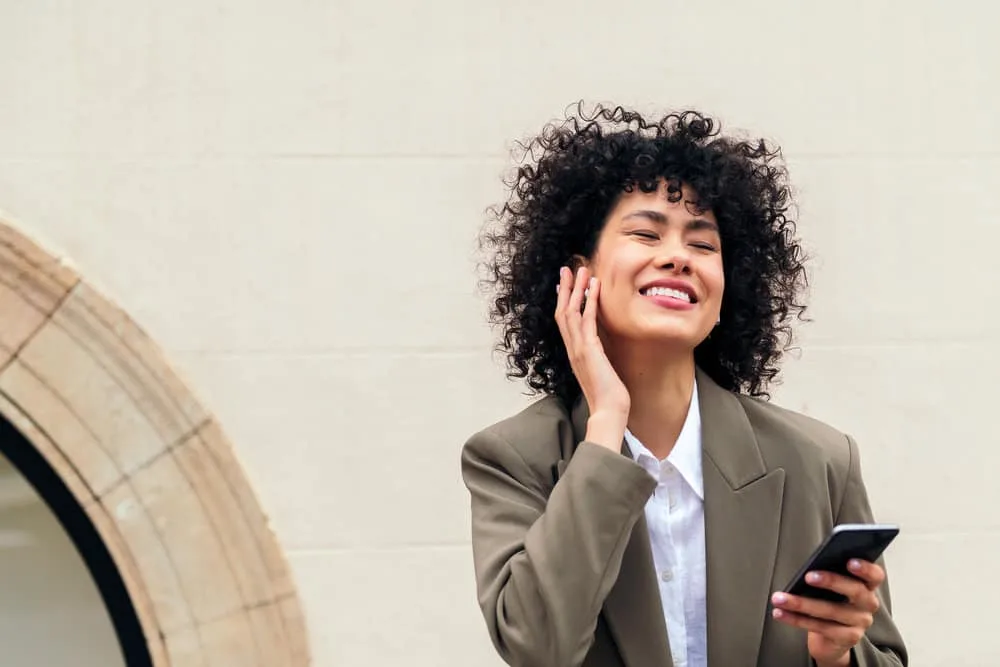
x,y
569,316
589,324
835,612
871,573
575,305
840,635
856,591
564,291
573,314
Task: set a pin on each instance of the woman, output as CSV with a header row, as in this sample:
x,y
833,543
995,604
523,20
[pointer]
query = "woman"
x,y
650,505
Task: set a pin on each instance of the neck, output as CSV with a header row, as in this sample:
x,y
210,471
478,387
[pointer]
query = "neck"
x,y
660,383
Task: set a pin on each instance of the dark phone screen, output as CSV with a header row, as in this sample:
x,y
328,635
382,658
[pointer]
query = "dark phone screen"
x,y
832,556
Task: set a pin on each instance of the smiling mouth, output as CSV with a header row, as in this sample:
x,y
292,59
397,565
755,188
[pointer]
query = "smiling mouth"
x,y
680,295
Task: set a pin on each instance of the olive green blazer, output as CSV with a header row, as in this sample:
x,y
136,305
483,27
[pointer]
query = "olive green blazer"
x,y
563,563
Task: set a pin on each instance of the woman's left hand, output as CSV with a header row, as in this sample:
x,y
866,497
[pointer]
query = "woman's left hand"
x,y
834,627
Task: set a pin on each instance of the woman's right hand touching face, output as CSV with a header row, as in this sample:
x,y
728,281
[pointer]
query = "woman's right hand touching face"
x,y
606,395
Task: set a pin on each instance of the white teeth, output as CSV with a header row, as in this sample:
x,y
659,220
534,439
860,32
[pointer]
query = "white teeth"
x,y
666,291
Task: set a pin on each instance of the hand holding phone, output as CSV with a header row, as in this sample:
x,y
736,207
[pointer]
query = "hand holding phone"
x,y
846,542
837,611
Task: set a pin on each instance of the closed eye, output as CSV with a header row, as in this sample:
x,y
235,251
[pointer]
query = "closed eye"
x,y
704,246
646,235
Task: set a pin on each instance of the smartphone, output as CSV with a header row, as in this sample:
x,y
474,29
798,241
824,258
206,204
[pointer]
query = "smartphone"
x,y
848,540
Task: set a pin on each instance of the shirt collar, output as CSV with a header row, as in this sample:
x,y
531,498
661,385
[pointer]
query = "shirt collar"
x,y
686,453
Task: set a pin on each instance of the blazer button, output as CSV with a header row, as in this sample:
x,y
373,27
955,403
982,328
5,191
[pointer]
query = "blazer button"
x,y
667,575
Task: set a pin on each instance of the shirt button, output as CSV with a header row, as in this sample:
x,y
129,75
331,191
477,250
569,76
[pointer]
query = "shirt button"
x,y
667,575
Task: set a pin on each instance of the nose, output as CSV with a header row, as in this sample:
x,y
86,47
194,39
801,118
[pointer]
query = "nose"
x,y
675,259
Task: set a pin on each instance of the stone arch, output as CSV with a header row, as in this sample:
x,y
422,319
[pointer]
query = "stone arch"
x,y
150,467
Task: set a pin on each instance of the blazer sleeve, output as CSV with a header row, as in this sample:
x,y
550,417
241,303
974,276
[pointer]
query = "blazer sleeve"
x,y
882,645
545,562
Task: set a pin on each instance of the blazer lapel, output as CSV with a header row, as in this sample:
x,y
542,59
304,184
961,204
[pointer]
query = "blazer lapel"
x,y
633,610
742,517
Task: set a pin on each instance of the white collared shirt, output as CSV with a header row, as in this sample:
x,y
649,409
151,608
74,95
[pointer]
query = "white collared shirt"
x,y
675,515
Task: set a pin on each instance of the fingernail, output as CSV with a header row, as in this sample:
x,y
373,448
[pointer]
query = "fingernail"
x,y
814,577
779,598
777,613
586,292
593,281
557,289
854,565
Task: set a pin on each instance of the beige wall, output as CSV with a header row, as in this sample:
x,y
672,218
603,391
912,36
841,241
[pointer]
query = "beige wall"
x,y
285,195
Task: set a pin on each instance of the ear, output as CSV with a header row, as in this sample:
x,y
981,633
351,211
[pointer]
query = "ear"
x,y
576,261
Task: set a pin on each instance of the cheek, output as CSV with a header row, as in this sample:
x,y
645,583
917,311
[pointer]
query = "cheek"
x,y
611,280
619,269
715,278
618,288
616,293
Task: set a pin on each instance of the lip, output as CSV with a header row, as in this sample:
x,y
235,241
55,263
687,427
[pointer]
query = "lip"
x,y
669,301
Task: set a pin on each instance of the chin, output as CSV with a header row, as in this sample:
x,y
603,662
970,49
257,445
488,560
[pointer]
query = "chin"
x,y
675,337
678,333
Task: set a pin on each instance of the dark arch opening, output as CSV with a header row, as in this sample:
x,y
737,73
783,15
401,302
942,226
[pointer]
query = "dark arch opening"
x,y
54,492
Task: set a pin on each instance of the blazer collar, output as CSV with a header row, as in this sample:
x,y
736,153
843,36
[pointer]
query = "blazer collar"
x,y
742,520
728,440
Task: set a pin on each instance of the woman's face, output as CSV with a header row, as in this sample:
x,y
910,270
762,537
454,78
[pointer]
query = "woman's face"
x,y
660,267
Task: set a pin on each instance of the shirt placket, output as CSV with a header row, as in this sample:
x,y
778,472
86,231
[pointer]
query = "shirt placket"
x,y
671,573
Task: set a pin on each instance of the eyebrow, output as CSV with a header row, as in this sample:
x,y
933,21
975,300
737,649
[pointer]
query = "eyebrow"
x,y
661,219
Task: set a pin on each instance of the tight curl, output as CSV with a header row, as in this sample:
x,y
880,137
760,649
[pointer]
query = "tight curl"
x,y
569,178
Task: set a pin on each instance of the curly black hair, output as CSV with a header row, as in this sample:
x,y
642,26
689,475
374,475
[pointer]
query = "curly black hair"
x,y
569,178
